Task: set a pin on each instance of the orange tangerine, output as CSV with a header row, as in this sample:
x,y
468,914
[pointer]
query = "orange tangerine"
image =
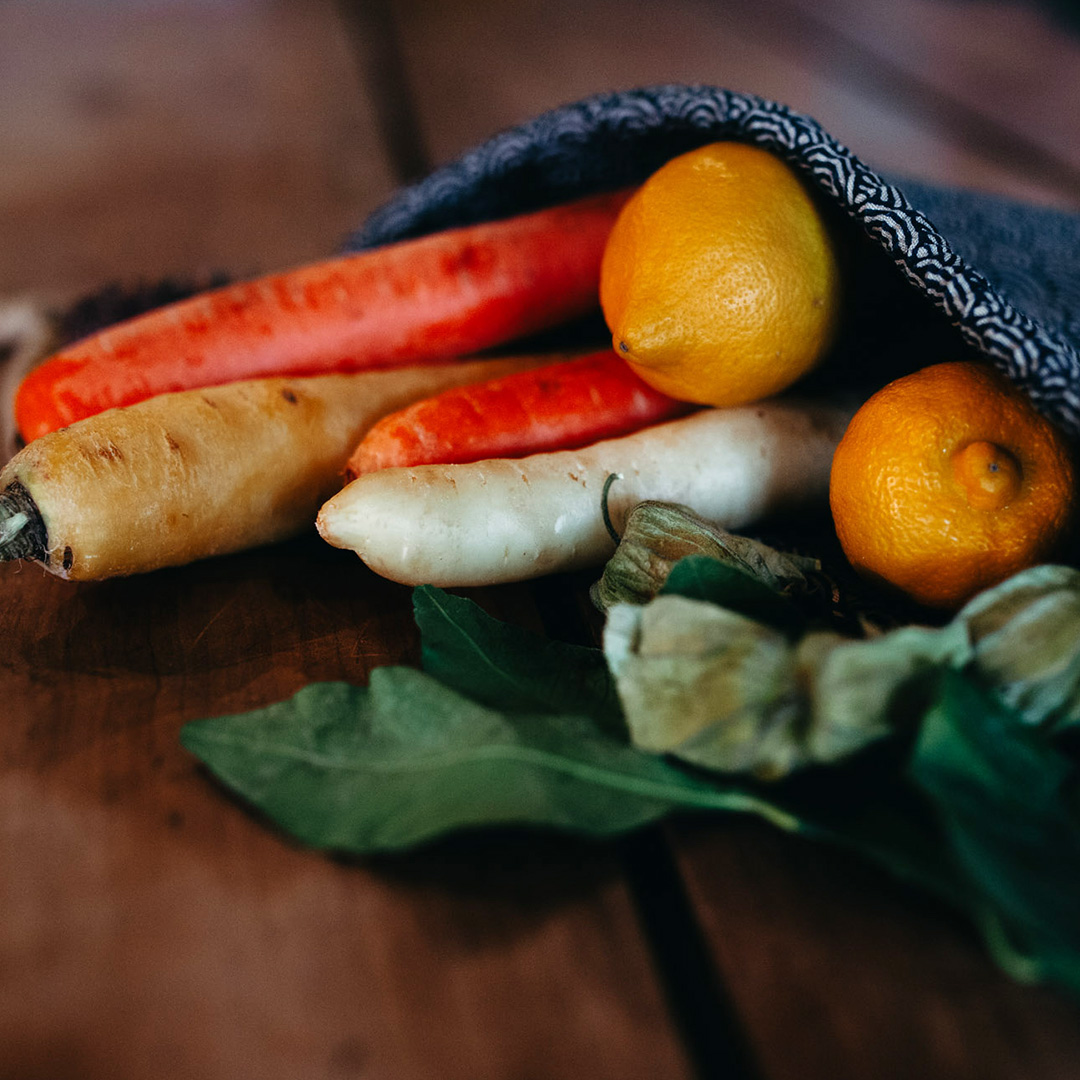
x,y
947,481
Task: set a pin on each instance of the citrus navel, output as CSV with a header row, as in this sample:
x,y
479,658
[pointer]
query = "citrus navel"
x,y
719,281
948,481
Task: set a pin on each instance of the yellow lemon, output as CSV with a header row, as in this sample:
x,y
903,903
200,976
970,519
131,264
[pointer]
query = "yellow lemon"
x,y
719,282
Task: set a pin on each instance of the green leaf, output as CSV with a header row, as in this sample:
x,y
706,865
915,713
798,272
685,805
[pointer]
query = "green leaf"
x,y
507,667
1008,803
405,760
505,728
699,577
867,804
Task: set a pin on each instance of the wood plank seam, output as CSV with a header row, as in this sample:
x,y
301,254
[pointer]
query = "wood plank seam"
x,y
878,74
698,1001
372,33
700,1005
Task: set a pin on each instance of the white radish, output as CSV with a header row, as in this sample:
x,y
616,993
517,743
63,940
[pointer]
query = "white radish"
x,y
509,520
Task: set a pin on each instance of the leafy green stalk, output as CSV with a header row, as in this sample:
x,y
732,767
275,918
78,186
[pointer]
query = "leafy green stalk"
x,y
405,760
1007,801
935,753
508,667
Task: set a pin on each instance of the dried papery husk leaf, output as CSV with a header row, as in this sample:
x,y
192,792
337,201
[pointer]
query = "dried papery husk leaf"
x,y
735,691
701,682
725,692
657,535
1025,640
863,691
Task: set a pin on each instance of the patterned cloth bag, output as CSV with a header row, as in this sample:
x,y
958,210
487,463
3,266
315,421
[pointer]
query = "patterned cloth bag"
x,y
934,274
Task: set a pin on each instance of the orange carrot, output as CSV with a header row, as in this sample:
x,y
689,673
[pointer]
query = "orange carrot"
x,y
556,407
434,298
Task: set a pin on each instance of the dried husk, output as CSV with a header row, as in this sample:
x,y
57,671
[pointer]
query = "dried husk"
x,y
726,692
1025,642
658,535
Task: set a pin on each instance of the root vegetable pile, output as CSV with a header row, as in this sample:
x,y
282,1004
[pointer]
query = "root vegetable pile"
x,y
226,420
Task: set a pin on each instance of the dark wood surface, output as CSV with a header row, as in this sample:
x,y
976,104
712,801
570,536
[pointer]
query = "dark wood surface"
x,y
149,924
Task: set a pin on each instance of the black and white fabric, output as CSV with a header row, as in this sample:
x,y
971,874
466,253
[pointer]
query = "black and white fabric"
x,y
1000,277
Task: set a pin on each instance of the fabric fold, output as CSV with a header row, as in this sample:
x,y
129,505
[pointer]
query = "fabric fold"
x,y
1002,275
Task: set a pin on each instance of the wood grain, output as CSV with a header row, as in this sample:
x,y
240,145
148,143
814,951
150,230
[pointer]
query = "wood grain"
x,y
153,926
838,971
145,140
481,65
1001,67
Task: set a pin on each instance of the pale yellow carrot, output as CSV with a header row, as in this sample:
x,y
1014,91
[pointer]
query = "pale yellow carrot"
x,y
183,476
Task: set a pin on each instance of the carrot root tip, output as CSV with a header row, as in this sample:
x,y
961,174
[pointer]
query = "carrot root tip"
x,y
22,530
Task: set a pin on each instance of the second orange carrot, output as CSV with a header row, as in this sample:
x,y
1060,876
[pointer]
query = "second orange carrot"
x,y
555,407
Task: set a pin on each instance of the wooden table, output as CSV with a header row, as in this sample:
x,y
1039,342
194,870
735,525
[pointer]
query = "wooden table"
x,y
149,924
